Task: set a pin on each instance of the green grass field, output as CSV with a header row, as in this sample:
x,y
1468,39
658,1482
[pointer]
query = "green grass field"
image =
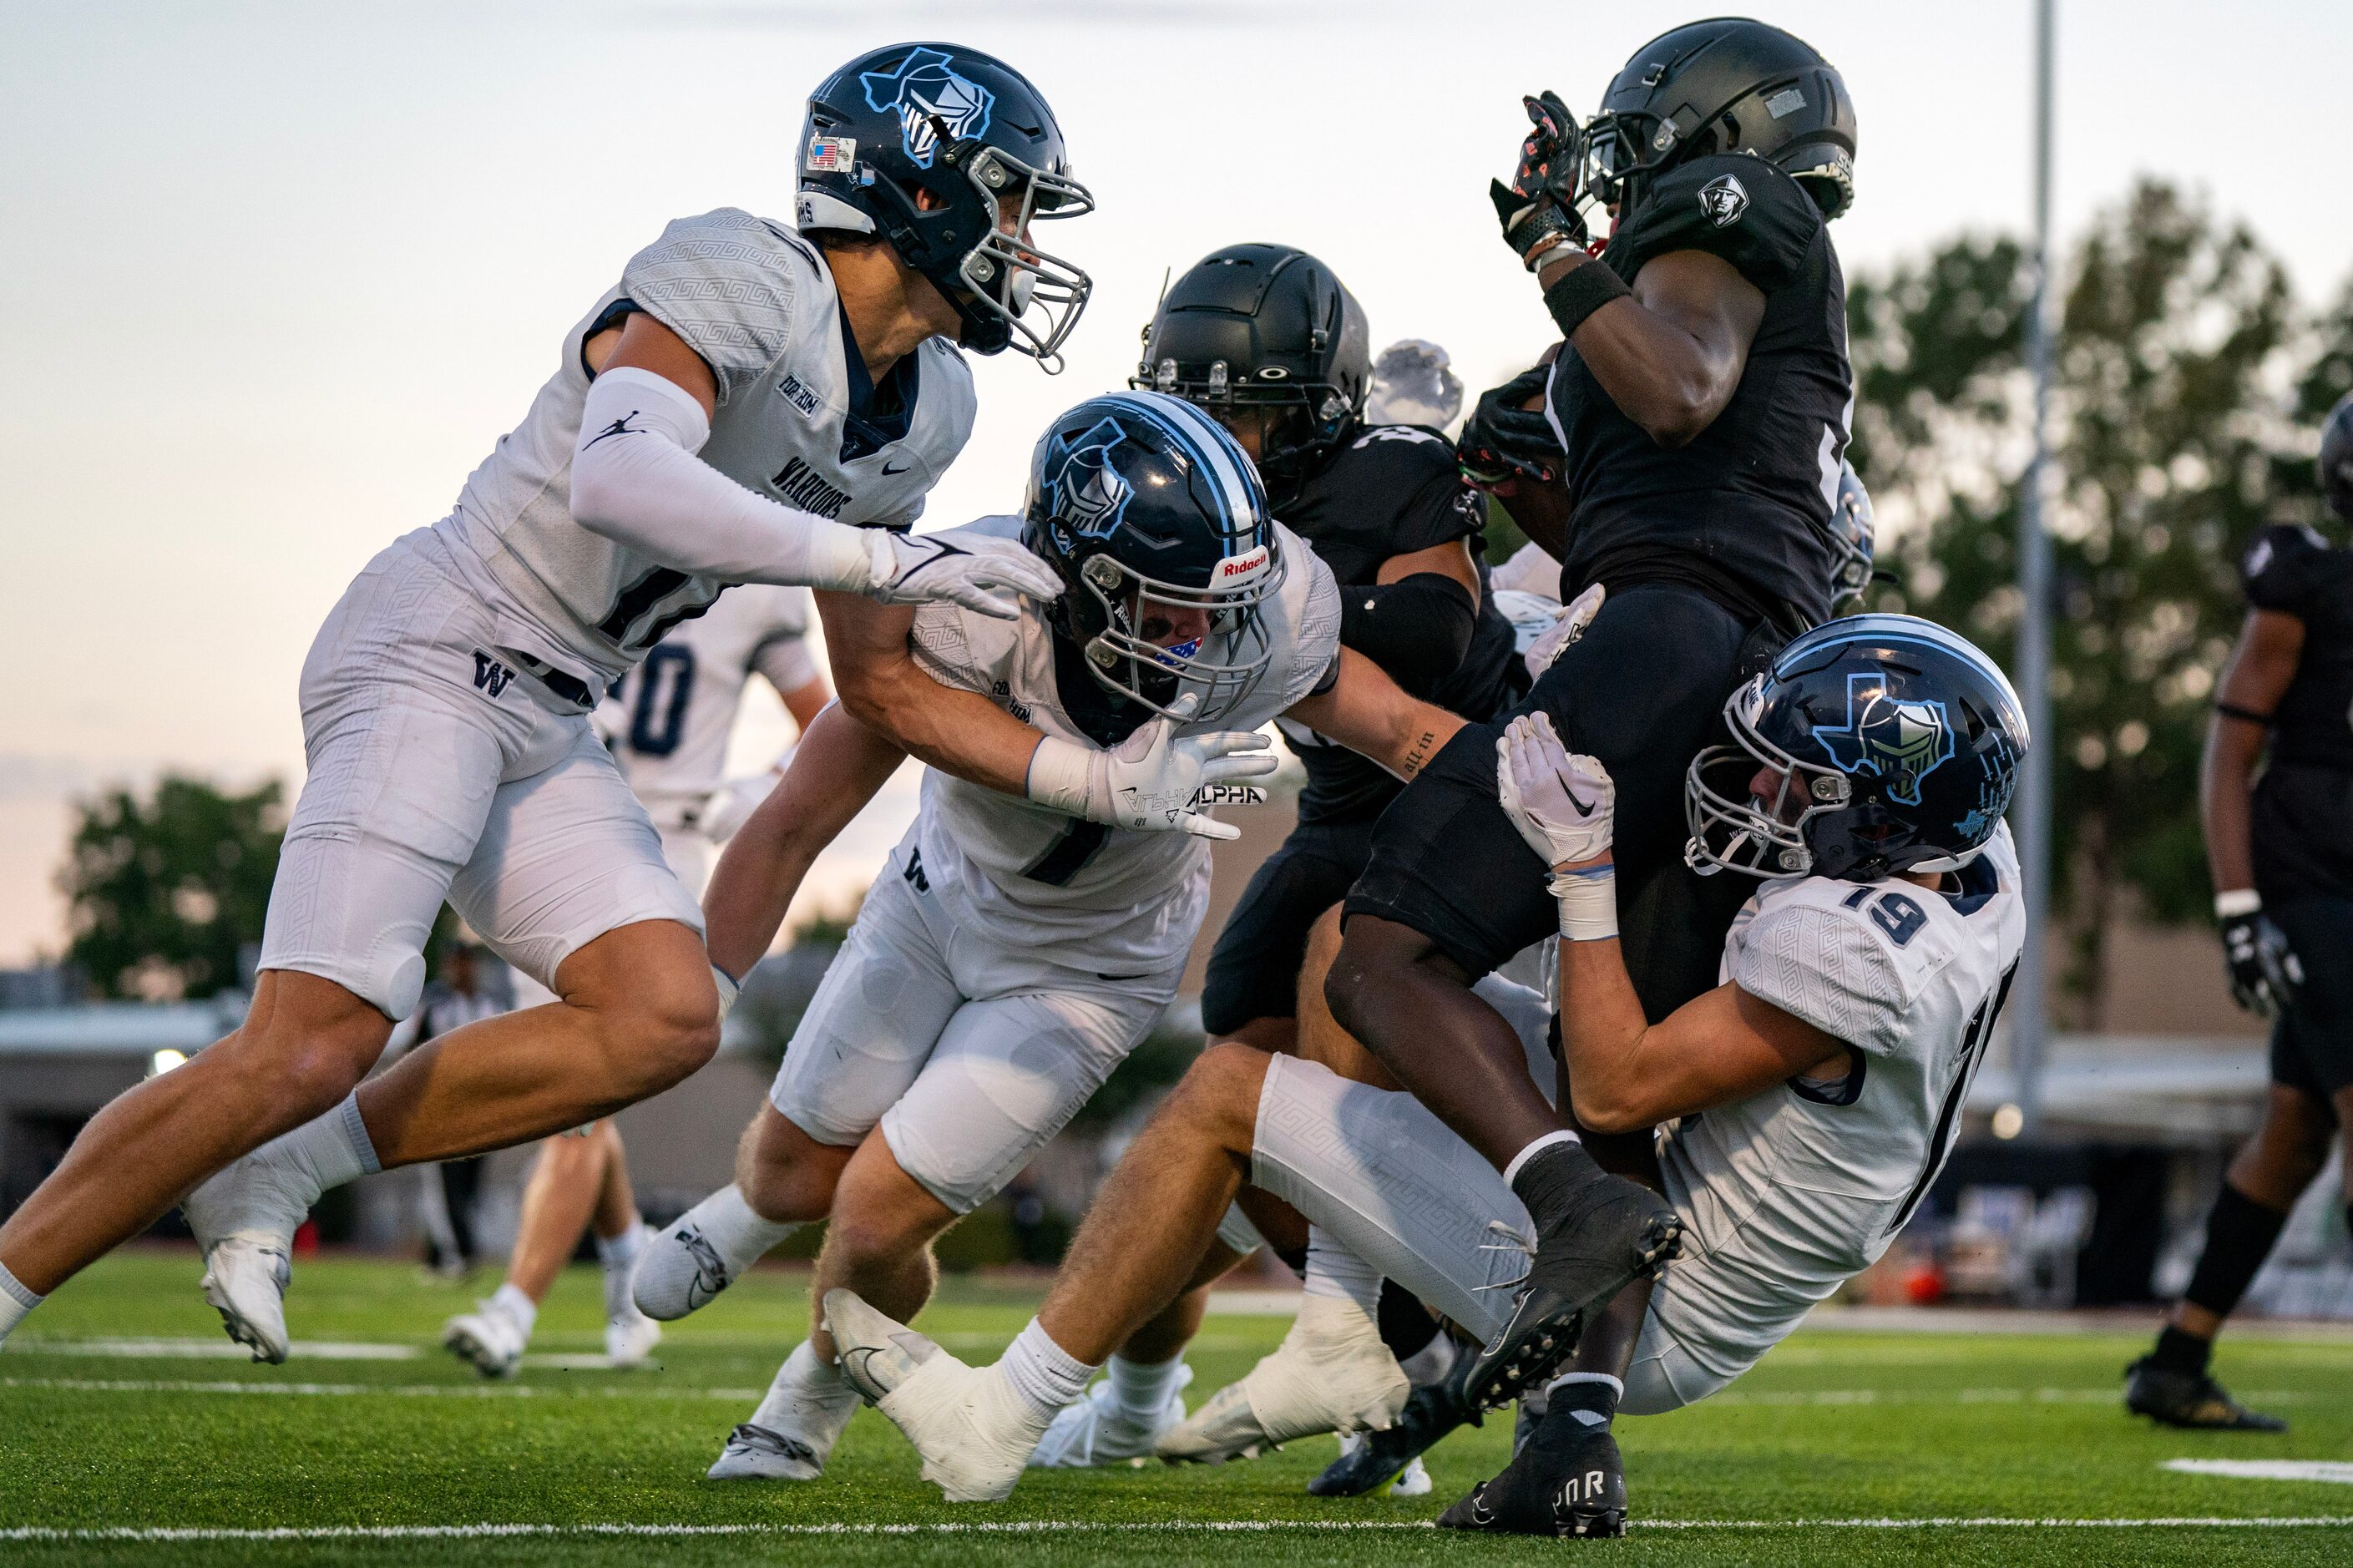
x,y
1834,1428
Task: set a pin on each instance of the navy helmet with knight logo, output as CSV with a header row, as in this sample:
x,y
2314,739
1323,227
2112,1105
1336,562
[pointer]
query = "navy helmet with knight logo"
x,y
1890,744
1149,511
970,131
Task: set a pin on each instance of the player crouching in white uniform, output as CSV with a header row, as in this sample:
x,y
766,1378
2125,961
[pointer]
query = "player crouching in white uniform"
x,y
667,723
702,428
1861,985
1010,956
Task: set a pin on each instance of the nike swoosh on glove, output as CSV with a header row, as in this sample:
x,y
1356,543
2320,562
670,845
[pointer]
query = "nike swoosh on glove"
x,y
1563,803
910,569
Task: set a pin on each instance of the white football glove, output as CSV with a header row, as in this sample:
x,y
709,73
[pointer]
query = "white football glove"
x,y
1564,805
1149,782
1570,626
731,805
919,569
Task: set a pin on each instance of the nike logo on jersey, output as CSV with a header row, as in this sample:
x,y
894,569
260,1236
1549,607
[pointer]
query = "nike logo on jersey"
x,y
797,484
620,426
888,471
490,675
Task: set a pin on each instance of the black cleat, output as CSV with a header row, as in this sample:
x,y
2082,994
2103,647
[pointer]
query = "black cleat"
x,y
1432,1411
1596,1233
1567,1482
2189,1399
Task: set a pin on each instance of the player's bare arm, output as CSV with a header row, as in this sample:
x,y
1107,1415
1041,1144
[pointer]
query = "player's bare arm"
x,y
956,732
1670,356
1368,712
2261,665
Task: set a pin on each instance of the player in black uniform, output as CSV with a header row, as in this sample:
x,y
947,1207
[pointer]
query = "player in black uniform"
x,y
1700,403
2280,851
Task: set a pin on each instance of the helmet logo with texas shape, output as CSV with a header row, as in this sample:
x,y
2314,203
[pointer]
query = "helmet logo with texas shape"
x,y
1086,491
1902,742
925,87
1724,199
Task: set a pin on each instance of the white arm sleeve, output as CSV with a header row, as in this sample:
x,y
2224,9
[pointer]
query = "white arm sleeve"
x,y
636,480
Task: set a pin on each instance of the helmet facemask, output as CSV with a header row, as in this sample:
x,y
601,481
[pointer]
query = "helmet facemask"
x,y
1221,667
1733,828
1006,281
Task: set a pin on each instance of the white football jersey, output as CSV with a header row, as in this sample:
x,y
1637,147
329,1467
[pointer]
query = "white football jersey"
x,y
756,300
1789,1192
668,720
1105,900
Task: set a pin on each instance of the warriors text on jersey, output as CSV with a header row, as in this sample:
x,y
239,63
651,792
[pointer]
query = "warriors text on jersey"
x,y
1790,1192
1394,490
1099,898
1743,510
668,720
2303,823
756,300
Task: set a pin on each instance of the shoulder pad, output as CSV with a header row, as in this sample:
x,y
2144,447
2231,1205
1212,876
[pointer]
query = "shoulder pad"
x,y
2276,569
1741,209
1849,957
729,284
1308,642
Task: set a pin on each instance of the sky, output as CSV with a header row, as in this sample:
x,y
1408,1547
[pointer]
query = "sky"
x,y
281,274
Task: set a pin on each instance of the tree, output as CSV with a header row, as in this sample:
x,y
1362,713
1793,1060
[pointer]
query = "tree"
x,y
165,892
2179,431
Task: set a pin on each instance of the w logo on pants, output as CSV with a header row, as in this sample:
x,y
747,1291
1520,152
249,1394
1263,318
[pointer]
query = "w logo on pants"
x,y
490,675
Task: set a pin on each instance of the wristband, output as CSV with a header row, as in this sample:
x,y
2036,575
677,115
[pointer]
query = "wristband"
x,y
1589,902
1057,776
2237,901
2233,711
1582,290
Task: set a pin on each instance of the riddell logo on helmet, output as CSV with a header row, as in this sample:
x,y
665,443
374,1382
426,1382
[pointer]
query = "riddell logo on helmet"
x,y
1242,568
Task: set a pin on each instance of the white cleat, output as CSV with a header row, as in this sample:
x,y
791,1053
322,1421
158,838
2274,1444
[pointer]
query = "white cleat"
x,y
1098,1431
631,1338
973,1431
1331,1373
244,1216
487,1339
755,1453
689,1261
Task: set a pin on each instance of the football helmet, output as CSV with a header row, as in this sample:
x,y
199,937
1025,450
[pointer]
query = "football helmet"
x,y
1852,535
1729,84
1893,746
2337,458
1142,504
970,129
1265,326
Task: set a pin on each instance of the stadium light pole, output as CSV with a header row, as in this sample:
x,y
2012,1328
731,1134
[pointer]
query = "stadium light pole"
x,y
2030,1020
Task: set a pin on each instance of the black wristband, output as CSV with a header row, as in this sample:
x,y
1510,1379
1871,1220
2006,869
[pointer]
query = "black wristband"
x,y
2233,711
1582,290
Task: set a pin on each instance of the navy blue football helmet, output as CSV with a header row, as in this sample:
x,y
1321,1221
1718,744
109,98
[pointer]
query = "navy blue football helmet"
x,y
1852,540
970,129
1146,506
1894,745
2337,458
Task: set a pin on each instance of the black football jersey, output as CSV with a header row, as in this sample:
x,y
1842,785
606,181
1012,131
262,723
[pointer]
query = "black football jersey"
x,y
2294,572
1394,490
1744,510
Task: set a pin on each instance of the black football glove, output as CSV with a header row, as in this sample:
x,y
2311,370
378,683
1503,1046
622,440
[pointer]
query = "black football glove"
x,y
1540,204
1503,441
2264,969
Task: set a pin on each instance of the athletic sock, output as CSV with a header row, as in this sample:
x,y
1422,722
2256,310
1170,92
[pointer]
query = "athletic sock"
x,y
738,1234
2240,1234
1337,1274
1591,1396
508,1299
809,1399
15,1301
1528,1156
1046,1377
1431,1362
620,1252
2179,1351
1406,1325
331,1150
1141,1389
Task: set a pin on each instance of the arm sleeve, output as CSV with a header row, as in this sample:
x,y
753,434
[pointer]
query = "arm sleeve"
x,y
1828,967
1417,628
727,284
1742,209
636,480
2277,569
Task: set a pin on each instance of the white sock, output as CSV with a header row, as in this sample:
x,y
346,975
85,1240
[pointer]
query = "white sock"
x,y
1042,1373
1432,1362
739,1235
15,1301
808,1399
1512,1171
620,1253
1335,1272
331,1148
510,1300
1141,1388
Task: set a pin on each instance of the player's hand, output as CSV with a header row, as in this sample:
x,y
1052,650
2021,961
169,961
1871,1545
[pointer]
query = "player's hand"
x,y
1566,628
1538,210
2264,969
1505,440
731,805
1563,803
918,569
1150,779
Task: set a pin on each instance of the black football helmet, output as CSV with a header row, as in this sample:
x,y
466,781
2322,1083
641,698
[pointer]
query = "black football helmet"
x,y
1265,326
1139,500
2337,458
1853,538
970,129
1729,84
1896,745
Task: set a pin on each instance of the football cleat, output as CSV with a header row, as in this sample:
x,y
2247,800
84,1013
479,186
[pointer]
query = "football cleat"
x,y
630,1337
244,1216
1330,1373
1604,1233
1567,1481
681,1270
973,1431
488,1339
792,1434
762,1454
1098,1430
2190,1399
1366,1462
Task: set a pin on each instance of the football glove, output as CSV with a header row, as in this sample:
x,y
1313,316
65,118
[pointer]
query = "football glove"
x,y
2264,969
1564,805
1506,441
1566,628
1152,782
1538,209
910,569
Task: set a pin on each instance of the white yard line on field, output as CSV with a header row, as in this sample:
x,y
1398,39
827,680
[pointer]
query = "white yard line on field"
x,y
402,1390
2267,1469
1076,1526
215,1349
